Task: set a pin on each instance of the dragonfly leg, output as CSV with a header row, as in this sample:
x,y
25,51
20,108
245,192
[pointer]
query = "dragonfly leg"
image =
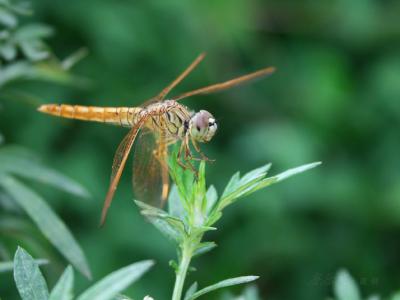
x,y
187,156
198,150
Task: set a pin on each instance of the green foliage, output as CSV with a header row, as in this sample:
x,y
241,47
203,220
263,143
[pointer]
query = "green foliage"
x,y
28,278
335,97
23,51
222,284
117,281
7,266
63,290
15,162
194,209
346,288
31,284
249,293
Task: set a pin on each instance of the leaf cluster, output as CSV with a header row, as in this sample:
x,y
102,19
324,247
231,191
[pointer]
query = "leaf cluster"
x,y
18,198
31,284
346,288
194,209
24,53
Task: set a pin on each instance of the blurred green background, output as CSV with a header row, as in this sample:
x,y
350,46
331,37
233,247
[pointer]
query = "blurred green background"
x,y
334,98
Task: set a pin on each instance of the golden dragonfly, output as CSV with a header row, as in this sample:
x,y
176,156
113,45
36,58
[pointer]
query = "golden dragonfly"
x,y
156,124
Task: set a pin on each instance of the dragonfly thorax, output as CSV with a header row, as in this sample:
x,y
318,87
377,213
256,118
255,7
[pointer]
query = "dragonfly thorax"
x,y
202,126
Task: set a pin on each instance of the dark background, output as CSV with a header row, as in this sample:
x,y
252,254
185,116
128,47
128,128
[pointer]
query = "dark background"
x,y
334,98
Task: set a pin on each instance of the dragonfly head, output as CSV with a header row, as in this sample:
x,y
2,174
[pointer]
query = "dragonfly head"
x,y
202,126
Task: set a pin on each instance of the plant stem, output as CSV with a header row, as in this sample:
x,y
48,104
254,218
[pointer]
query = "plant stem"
x,y
182,270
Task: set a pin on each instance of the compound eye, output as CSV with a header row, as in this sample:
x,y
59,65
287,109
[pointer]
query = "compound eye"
x,y
211,122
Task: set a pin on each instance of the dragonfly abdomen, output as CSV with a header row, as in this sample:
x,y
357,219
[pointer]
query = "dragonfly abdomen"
x,y
122,116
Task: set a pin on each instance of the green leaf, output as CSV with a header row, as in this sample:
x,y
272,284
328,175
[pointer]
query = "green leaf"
x,y
28,278
170,226
6,266
113,284
212,198
191,290
63,288
395,296
251,293
254,181
374,297
34,50
345,287
294,171
254,174
204,248
7,18
16,71
175,207
48,222
33,31
16,161
8,51
122,297
232,184
74,58
222,284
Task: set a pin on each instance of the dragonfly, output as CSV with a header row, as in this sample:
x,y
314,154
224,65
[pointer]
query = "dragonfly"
x,y
155,125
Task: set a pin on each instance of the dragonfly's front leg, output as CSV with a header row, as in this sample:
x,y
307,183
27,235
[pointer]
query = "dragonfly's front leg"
x,y
198,150
187,156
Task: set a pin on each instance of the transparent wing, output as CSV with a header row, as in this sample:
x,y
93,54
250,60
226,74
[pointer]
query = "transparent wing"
x,y
174,83
120,158
227,84
150,170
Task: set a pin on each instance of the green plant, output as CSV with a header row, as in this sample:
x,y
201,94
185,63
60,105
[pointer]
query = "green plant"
x,y
16,197
25,55
346,288
32,286
193,210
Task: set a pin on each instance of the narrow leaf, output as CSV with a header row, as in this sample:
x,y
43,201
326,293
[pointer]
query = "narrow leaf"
x,y
222,284
122,297
255,174
31,32
63,288
295,171
7,18
34,50
16,161
172,227
175,207
191,290
345,287
395,296
232,184
6,266
28,278
52,227
113,284
204,247
74,58
212,197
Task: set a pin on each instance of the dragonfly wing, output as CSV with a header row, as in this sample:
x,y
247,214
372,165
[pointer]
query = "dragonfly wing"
x,y
120,158
150,170
227,84
174,83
